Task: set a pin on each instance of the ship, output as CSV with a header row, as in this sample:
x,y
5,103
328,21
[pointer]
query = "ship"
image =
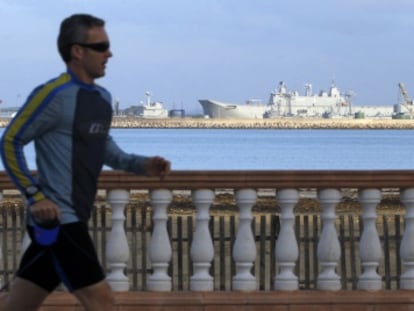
x,y
283,103
148,110
216,109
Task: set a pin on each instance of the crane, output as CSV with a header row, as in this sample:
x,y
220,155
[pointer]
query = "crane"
x,y
404,93
407,102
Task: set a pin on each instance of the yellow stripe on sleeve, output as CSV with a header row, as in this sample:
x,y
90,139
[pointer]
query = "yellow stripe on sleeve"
x,y
12,148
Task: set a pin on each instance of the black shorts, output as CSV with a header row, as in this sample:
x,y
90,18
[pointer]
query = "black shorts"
x,y
71,260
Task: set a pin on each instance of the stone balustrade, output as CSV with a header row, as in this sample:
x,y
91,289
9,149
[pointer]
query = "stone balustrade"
x,y
288,185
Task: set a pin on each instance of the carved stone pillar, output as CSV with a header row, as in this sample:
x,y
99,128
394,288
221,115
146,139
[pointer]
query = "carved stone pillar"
x,y
407,243
202,249
370,245
329,250
160,247
287,250
117,249
244,248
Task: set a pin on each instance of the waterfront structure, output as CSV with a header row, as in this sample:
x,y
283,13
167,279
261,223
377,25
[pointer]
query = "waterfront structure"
x,y
324,284
404,109
285,103
8,112
223,110
148,110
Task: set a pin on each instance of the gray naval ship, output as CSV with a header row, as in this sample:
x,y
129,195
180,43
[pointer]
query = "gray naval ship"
x,y
285,103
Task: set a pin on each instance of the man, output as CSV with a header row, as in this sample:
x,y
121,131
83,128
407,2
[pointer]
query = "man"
x,y
68,118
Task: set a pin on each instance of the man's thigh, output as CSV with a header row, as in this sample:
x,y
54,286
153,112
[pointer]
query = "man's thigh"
x,y
72,260
23,296
76,259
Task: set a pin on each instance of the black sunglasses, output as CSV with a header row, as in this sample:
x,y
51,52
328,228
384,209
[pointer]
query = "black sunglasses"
x,y
98,47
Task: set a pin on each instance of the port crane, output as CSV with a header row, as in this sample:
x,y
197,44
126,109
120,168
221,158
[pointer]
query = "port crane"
x,y
407,101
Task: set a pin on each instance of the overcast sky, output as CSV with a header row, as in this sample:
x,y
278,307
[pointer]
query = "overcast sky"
x,y
231,50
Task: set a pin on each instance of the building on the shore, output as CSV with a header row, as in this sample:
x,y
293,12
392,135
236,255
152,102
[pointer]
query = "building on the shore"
x,y
372,111
176,113
8,112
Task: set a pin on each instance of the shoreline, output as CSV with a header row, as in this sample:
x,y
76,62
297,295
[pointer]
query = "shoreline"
x,y
279,123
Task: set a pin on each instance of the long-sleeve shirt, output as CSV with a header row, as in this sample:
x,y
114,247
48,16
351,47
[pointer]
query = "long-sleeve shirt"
x,y
69,122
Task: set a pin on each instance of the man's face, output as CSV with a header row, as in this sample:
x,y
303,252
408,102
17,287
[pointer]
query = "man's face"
x,y
92,61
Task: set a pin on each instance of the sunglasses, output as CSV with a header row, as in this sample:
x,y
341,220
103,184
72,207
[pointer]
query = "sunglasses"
x,y
98,47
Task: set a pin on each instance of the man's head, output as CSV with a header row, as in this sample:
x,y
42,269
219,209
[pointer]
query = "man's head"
x,y
84,45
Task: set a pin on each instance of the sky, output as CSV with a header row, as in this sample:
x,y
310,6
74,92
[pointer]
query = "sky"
x,y
229,50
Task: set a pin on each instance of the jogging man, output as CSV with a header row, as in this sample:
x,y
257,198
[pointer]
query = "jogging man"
x,y
68,118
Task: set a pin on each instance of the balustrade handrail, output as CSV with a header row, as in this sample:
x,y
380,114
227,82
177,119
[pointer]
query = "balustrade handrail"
x,y
196,179
190,180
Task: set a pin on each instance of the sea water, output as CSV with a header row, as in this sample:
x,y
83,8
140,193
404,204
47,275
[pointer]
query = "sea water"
x,y
269,149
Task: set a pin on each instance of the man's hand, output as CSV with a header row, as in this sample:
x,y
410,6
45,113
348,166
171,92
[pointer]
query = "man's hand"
x,y
45,210
157,166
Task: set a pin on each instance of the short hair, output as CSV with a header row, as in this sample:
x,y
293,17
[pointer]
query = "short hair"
x,y
73,29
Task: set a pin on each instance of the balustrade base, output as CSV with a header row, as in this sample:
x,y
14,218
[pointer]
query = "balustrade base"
x,y
286,285
396,300
369,285
329,284
201,285
240,284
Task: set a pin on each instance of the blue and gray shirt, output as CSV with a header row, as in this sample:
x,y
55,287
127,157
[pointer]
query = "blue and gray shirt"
x,y
69,122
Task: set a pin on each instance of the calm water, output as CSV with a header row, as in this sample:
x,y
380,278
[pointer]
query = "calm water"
x,y
211,149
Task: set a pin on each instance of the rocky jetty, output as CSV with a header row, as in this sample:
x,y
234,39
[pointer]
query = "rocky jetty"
x,y
279,123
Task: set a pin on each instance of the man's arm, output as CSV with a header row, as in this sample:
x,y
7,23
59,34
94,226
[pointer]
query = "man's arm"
x,y
34,118
116,158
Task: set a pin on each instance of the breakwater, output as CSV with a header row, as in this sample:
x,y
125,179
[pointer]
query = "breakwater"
x,y
279,123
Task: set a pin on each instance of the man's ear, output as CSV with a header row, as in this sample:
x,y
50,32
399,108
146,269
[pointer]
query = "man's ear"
x,y
76,51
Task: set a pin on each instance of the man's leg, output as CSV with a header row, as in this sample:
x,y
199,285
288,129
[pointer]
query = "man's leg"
x,y
3,300
34,281
96,297
81,270
23,296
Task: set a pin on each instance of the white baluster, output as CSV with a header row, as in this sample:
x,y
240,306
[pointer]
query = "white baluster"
x,y
244,248
202,249
25,242
329,250
160,247
26,237
370,246
287,250
407,243
117,249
